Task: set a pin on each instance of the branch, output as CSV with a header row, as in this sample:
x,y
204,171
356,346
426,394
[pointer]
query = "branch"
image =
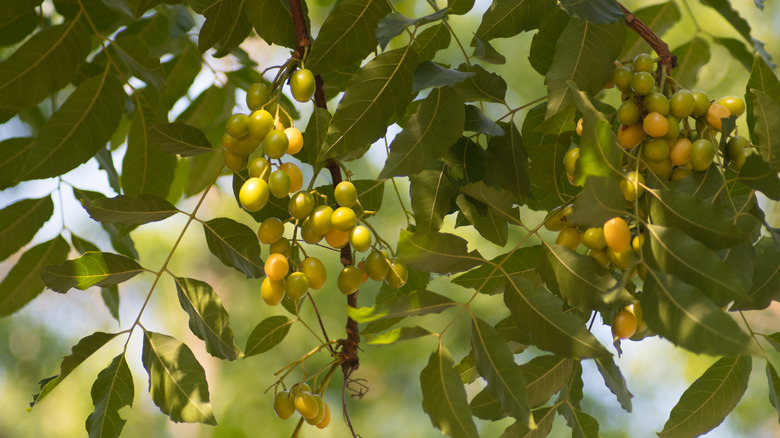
x,y
660,47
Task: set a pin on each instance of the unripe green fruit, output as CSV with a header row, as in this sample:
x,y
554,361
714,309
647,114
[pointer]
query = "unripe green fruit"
x,y
397,274
739,161
702,103
593,238
246,145
343,219
360,238
377,265
320,411
735,145
642,83
308,235
682,104
233,160
279,183
656,102
643,62
260,124
301,204
257,95
315,271
628,113
656,149
237,125
350,279
621,78
298,388
632,186
260,168
271,230
702,154
570,160
275,144
297,284
284,405
302,85
320,219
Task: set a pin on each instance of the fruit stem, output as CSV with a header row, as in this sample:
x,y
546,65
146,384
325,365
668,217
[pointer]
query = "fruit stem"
x,y
660,47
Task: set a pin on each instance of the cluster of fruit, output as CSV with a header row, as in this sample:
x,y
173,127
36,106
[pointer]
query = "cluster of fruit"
x,y
299,398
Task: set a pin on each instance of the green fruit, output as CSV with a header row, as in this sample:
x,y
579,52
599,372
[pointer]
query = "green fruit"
x,y
682,104
308,235
621,78
302,85
301,204
259,168
570,160
345,194
642,83
702,103
343,219
656,149
674,128
298,388
275,144
569,237
271,230
284,403
257,95
632,186
663,169
279,183
320,219
233,160
253,194
350,279
735,145
281,246
628,113
679,173
593,238
360,238
306,404
377,265
237,125
397,274
656,102
246,145
260,124
297,284
643,62
315,271
320,411
702,154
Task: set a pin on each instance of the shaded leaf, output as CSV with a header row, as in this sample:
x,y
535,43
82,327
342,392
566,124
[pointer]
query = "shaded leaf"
x,y
545,375
691,57
614,381
267,334
130,210
766,111
431,40
112,391
235,245
429,74
20,221
13,154
582,425
510,161
543,417
180,138
23,283
134,53
177,382
763,79
273,21
394,23
599,201
477,121
774,386
489,279
737,50
444,398
542,50
436,252
432,194
227,24
92,269
480,85
120,239
507,18
146,168
595,11
16,29
485,220
759,175
485,51
181,72
314,136
765,276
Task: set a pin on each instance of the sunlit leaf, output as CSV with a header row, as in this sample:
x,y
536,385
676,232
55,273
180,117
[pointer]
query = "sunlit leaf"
x,y
444,398
489,279
130,210
146,168
582,425
235,245
112,391
227,24
23,283
763,79
691,57
20,221
543,417
707,402
92,269
177,382
413,304
180,138
432,193
766,111
397,335
600,154
437,252
267,334
507,18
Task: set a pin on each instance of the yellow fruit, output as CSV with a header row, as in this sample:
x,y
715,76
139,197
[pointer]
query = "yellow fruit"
x,y
617,234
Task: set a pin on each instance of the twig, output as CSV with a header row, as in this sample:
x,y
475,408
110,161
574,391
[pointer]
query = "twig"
x,y
660,47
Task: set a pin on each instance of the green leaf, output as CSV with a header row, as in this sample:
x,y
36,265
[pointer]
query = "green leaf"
x,y
235,245
543,417
759,175
414,303
614,381
314,136
762,78
459,7
20,221
130,210
737,50
397,335
227,24
432,194
489,279
134,53
542,50
79,353
766,111
599,201
496,365
13,154
507,18
660,18
16,29
490,225
180,138
394,23
741,25
181,72
480,85
267,334
539,313
273,21
92,269
584,54
81,126
18,7
106,163
110,296
44,64
23,284
582,425
477,121
444,398
146,168
431,40
466,162
485,51
774,386
765,277
545,375
437,252
707,402
685,316
509,161
676,209
379,90
112,391
691,57
177,382
208,318
596,11
429,74
499,201
120,239
347,35
580,280
427,135
678,254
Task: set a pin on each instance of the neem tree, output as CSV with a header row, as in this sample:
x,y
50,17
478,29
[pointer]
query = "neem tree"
x,y
661,232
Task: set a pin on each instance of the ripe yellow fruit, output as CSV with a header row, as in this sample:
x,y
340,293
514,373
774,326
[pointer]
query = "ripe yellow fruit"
x,y
306,404
569,237
630,136
295,140
617,234
624,324
715,113
272,291
655,125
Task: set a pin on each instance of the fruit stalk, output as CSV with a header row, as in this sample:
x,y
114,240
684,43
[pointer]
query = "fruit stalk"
x,y
660,47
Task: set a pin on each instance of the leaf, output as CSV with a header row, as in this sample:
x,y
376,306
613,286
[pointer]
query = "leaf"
x,y
678,254
273,21
347,35
146,168
48,61
130,210
414,303
599,201
134,53
543,417
180,138
600,154
13,154
394,23
427,135
208,318
429,74
444,398
120,239
112,391
660,18
584,54
379,90
23,284
737,50
79,128
92,269
79,353
432,194
490,225
314,136
235,245
507,18
763,79
685,316
466,162
18,7
766,111
596,11
106,164
741,25
542,50
707,402
181,72
20,221
774,386
397,335
477,121
15,29
177,382
499,201
545,375
582,425
691,56
489,279
510,161
580,280
431,40
485,51
765,276
614,381
227,24
676,209
539,313
496,364
480,85
436,252
267,334
759,175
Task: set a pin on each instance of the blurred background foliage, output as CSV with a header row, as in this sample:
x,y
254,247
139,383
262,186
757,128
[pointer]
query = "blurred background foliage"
x,y
34,340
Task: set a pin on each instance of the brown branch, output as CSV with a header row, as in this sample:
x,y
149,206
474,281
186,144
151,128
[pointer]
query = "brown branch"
x,y
660,47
